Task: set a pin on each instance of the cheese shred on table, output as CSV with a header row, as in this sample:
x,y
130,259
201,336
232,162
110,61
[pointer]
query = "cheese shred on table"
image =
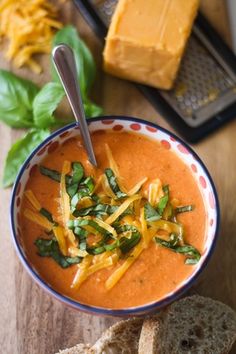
x,y
27,28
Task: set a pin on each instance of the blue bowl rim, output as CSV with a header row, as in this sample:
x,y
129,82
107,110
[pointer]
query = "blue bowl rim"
x,y
130,311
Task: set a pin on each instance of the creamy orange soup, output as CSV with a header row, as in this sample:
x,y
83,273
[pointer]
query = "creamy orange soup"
x,y
158,271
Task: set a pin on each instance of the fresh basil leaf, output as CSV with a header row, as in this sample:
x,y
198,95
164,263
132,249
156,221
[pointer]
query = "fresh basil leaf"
x,y
151,214
16,100
112,180
77,175
91,109
184,209
193,255
50,248
45,103
19,151
85,66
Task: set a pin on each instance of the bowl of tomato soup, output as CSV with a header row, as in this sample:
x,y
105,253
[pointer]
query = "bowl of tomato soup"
x,y
125,238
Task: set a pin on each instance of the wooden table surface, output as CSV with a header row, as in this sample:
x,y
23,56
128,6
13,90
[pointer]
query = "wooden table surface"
x,y
31,322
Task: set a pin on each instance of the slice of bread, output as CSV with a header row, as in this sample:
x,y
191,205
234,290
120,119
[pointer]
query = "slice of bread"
x,y
121,338
148,336
77,349
193,325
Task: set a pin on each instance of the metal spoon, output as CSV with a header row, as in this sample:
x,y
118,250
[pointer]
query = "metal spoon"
x,y
64,62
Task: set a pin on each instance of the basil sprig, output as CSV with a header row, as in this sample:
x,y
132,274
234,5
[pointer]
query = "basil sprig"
x,y
50,248
192,254
112,180
24,105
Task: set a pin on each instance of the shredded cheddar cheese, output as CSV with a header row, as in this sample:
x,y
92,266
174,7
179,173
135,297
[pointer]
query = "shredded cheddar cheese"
x,y
38,219
155,192
59,234
121,209
81,274
28,28
32,199
65,202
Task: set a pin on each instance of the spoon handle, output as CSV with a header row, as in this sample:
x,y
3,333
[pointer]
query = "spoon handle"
x,y
64,61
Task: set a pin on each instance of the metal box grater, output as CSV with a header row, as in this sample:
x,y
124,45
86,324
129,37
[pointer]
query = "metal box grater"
x,y
204,94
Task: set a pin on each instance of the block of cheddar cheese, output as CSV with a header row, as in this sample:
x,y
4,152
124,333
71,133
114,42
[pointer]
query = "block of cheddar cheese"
x,y
147,38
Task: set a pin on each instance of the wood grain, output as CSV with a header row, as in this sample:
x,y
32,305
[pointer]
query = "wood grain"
x,y
31,322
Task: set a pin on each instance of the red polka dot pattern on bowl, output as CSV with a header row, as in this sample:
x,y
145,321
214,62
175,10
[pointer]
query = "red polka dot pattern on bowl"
x,y
135,126
194,167
202,182
182,149
151,129
166,144
118,127
108,121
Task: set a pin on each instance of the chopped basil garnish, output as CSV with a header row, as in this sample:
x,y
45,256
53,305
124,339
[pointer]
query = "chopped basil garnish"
x,y
193,255
96,250
77,197
112,246
87,222
46,214
98,210
50,248
126,244
77,175
79,186
112,180
120,229
150,213
184,209
86,188
88,183
163,200
53,174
